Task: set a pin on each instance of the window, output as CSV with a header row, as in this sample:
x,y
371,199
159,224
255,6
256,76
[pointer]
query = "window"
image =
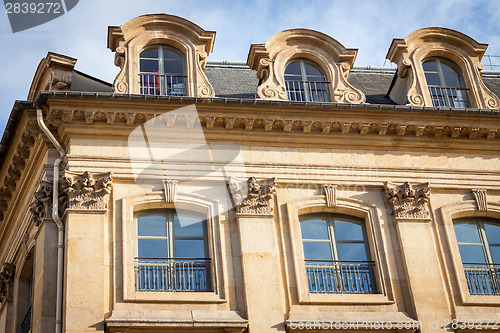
x,y
26,323
306,81
479,246
172,251
162,71
445,83
336,254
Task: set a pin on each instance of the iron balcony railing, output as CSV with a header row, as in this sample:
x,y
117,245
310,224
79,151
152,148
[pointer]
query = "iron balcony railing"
x,y
172,274
156,84
310,91
341,277
26,323
450,97
483,279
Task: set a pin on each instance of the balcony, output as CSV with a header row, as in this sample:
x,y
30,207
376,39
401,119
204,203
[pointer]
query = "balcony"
x,y
168,85
341,277
308,91
450,97
483,279
172,274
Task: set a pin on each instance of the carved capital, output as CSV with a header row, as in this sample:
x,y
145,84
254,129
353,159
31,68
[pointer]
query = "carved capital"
x,y
481,199
330,195
41,205
252,197
7,282
407,202
86,191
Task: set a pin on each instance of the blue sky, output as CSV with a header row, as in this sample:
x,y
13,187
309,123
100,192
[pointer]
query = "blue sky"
x,y
368,25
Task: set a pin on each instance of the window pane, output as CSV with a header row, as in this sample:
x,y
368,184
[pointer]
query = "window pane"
x,y
345,231
451,80
172,55
314,228
351,251
152,248
317,251
312,70
189,249
430,66
186,226
149,66
492,232
432,79
172,67
467,232
152,225
293,68
495,254
151,53
472,254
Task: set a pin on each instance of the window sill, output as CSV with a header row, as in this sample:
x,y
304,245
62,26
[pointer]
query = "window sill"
x,y
310,298
174,296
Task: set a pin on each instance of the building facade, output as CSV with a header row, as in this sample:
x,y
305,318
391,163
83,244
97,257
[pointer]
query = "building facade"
x,y
294,192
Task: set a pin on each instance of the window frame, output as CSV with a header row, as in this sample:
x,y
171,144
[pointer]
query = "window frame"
x,y
305,92
216,247
162,75
376,247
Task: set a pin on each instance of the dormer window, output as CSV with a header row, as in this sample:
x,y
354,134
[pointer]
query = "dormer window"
x,y
445,83
306,81
162,71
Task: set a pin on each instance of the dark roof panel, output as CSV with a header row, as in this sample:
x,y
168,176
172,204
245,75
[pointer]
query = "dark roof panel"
x,y
232,80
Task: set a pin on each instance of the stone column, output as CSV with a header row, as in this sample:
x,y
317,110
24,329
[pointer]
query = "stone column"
x,y
260,256
420,255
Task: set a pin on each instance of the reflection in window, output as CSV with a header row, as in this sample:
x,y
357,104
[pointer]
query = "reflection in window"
x,y
336,254
445,82
172,252
305,81
162,71
479,245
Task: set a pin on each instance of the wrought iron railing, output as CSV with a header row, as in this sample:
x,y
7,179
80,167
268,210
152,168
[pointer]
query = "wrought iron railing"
x,y
156,84
450,97
26,323
341,277
483,279
310,91
491,62
172,274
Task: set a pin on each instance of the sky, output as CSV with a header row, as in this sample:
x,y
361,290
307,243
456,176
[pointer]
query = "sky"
x,y
366,25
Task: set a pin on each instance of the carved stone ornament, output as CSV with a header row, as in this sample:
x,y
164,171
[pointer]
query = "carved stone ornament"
x,y
271,59
170,187
41,206
7,282
86,191
481,199
330,195
407,202
253,198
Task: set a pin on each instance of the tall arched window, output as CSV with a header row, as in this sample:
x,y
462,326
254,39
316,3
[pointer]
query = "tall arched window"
x,y
446,83
172,252
479,245
306,81
162,71
337,254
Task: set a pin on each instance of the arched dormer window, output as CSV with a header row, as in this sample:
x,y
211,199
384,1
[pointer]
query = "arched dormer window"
x,y
306,81
445,82
336,253
162,71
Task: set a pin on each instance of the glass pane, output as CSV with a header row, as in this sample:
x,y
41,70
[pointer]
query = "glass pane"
x,y
189,249
172,55
348,231
495,254
312,70
293,68
433,79
152,248
151,53
451,80
314,227
173,67
152,225
317,251
187,226
492,232
351,251
149,66
430,66
467,232
472,254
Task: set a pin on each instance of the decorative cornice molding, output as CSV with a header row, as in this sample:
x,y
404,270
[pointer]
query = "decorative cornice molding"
x,y
7,274
330,195
409,203
252,197
86,191
481,199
